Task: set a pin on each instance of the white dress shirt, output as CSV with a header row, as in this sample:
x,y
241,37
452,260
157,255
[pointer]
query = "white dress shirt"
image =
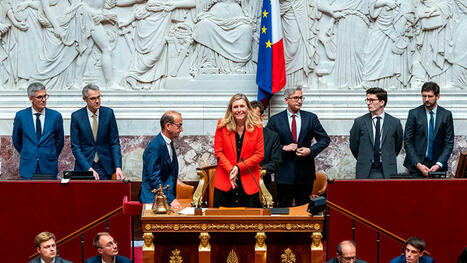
x,y
169,148
41,118
298,121
374,120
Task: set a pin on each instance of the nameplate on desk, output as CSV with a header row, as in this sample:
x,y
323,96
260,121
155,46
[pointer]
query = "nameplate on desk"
x,y
236,211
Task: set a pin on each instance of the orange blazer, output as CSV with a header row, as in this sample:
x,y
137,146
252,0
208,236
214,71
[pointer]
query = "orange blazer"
x,y
252,152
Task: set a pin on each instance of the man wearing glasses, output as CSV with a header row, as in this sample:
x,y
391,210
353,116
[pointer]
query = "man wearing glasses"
x,y
160,165
107,248
94,137
376,139
296,129
38,135
346,253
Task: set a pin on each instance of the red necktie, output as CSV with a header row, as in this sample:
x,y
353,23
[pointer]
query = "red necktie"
x,y
294,128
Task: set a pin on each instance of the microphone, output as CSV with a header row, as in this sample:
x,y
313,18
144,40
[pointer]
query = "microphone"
x,y
256,182
198,205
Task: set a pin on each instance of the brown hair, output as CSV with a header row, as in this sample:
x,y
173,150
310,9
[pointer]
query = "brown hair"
x,y
42,237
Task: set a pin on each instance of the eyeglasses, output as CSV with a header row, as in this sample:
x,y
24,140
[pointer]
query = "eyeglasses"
x,y
111,244
42,97
348,259
371,100
297,98
179,125
93,99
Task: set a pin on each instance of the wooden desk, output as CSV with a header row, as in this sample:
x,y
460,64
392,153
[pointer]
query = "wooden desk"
x,y
177,237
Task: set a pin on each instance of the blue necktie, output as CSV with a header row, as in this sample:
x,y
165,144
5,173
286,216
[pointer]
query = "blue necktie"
x,y
38,126
431,135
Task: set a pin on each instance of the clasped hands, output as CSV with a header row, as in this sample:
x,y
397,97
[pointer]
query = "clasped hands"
x,y
425,170
233,177
293,147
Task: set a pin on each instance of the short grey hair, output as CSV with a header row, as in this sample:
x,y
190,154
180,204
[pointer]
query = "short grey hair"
x,y
290,91
89,87
35,87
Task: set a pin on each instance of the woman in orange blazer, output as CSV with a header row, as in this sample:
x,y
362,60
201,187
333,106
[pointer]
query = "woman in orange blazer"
x,y
238,145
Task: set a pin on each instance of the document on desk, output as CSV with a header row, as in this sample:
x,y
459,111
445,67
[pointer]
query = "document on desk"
x,y
189,211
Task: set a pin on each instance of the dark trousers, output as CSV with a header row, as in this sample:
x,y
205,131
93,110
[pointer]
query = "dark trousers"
x,y
376,172
235,197
100,171
286,193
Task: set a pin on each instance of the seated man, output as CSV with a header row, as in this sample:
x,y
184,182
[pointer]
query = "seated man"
x,y
346,252
414,248
107,249
47,249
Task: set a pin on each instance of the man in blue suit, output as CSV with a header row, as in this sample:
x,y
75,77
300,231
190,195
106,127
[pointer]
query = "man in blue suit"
x,y
160,165
94,137
38,135
107,248
414,248
297,129
429,135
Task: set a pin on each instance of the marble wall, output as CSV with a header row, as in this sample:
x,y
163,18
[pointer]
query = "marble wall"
x,y
197,151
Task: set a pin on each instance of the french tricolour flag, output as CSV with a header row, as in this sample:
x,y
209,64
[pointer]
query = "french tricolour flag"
x,y
270,74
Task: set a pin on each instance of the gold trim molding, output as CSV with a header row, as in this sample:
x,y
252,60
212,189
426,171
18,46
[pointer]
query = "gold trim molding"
x,y
229,227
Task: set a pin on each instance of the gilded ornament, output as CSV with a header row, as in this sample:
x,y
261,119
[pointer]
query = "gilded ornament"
x,y
260,226
288,226
288,256
147,227
175,258
176,227
232,227
204,226
232,258
316,226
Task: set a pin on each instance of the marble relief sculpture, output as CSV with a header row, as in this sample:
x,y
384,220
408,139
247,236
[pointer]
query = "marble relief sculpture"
x,y
139,44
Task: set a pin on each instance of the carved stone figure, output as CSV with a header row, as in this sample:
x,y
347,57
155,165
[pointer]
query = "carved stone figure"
x,y
381,63
148,242
300,36
204,242
435,31
260,242
316,241
351,27
223,32
458,55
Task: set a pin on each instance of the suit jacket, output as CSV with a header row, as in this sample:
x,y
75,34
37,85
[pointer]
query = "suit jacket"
x,y
296,169
252,152
335,260
107,143
422,259
416,137
33,151
57,260
119,259
272,151
158,169
361,144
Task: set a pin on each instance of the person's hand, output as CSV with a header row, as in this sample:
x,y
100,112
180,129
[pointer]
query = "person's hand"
x,y
434,168
303,151
290,148
233,177
175,204
94,173
423,169
119,174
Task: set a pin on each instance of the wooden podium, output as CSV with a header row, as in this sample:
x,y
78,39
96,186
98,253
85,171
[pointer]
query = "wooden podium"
x,y
234,235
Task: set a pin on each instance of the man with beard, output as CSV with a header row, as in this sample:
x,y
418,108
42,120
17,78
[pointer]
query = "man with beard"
x,y
107,248
429,135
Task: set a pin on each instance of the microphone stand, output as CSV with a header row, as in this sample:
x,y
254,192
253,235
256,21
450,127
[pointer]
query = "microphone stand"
x,y
198,210
256,182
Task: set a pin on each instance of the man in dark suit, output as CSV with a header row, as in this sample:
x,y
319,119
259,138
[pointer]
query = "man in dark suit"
x,y
38,135
376,139
160,165
47,249
346,252
414,248
107,248
429,135
296,129
94,137
272,147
